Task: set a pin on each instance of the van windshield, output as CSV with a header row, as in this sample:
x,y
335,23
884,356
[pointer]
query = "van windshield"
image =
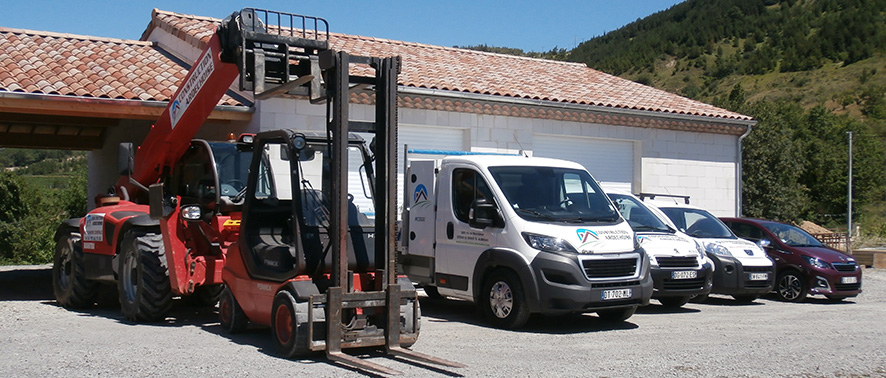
x,y
554,194
698,223
638,215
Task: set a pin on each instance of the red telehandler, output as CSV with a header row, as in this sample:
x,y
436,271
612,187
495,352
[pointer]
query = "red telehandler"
x,y
270,225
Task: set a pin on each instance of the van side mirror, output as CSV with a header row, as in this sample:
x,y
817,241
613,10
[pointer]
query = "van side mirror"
x,y
124,159
484,214
764,243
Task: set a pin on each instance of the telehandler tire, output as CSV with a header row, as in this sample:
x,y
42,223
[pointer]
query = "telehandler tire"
x,y
206,295
143,282
69,283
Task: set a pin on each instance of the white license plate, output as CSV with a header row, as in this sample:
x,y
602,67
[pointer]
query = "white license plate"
x,y
849,280
684,274
759,276
616,294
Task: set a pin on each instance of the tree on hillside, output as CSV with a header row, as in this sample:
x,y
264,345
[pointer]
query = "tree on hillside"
x,y
772,164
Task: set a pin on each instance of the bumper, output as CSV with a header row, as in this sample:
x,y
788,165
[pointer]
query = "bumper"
x,y
665,285
731,277
564,288
832,283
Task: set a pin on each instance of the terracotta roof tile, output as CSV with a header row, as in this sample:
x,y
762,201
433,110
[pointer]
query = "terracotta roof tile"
x,y
460,70
73,65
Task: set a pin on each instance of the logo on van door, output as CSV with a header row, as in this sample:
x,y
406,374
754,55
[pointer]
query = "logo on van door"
x,y
420,196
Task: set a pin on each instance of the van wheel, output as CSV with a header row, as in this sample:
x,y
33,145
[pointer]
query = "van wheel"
x,y
674,302
503,301
432,292
618,315
791,287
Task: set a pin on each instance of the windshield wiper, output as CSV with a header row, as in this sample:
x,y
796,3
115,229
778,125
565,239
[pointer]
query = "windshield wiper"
x,y
536,213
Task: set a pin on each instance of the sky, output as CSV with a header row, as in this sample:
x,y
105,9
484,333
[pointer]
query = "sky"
x,y
530,25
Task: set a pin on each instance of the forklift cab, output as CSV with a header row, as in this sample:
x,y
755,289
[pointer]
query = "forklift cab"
x,y
285,220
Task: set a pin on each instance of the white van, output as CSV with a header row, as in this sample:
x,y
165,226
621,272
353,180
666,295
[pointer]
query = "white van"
x,y
679,268
741,268
519,235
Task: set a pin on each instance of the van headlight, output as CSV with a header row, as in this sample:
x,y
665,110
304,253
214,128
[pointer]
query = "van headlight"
x,y
547,243
717,249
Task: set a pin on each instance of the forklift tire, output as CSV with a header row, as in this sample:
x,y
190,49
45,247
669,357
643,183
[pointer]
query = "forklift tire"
x,y
409,323
503,301
69,283
289,325
230,314
143,282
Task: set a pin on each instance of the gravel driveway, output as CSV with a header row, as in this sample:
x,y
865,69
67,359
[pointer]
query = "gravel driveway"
x,y
719,338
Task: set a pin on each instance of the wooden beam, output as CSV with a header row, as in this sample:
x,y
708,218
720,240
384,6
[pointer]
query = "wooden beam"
x,y
101,108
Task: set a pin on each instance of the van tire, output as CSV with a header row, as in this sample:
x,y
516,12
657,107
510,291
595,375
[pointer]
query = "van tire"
x,y
503,301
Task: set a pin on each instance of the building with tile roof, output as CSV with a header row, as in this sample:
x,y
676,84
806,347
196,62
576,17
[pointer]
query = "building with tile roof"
x,y
68,91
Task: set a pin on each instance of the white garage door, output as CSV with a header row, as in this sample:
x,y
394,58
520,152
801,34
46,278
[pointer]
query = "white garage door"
x,y
611,162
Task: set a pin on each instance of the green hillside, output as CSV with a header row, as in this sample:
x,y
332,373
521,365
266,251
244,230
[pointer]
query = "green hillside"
x,y
813,52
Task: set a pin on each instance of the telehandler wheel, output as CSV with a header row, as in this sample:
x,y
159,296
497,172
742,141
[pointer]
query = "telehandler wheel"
x,y
289,325
230,314
69,283
207,295
503,301
616,315
143,282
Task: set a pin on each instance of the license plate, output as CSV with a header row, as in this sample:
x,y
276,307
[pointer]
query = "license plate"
x,y
759,276
849,280
684,274
616,294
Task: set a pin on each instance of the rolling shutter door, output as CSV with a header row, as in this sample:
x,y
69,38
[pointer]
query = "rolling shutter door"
x,y
611,162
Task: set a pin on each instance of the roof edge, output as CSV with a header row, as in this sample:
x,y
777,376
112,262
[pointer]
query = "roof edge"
x,y
574,106
75,36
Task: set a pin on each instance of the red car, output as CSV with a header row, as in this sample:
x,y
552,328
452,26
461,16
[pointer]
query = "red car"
x,y
803,264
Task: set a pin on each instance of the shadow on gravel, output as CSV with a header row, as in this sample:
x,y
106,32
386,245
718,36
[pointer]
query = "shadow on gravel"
x,y
453,310
817,300
729,301
654,308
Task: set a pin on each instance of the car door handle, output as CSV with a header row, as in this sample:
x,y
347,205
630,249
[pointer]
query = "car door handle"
x,y
450,230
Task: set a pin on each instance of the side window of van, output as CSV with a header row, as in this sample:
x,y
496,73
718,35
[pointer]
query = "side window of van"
x,y
467,186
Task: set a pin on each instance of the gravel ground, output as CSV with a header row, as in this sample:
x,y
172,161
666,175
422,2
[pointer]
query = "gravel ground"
x,y
718,338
